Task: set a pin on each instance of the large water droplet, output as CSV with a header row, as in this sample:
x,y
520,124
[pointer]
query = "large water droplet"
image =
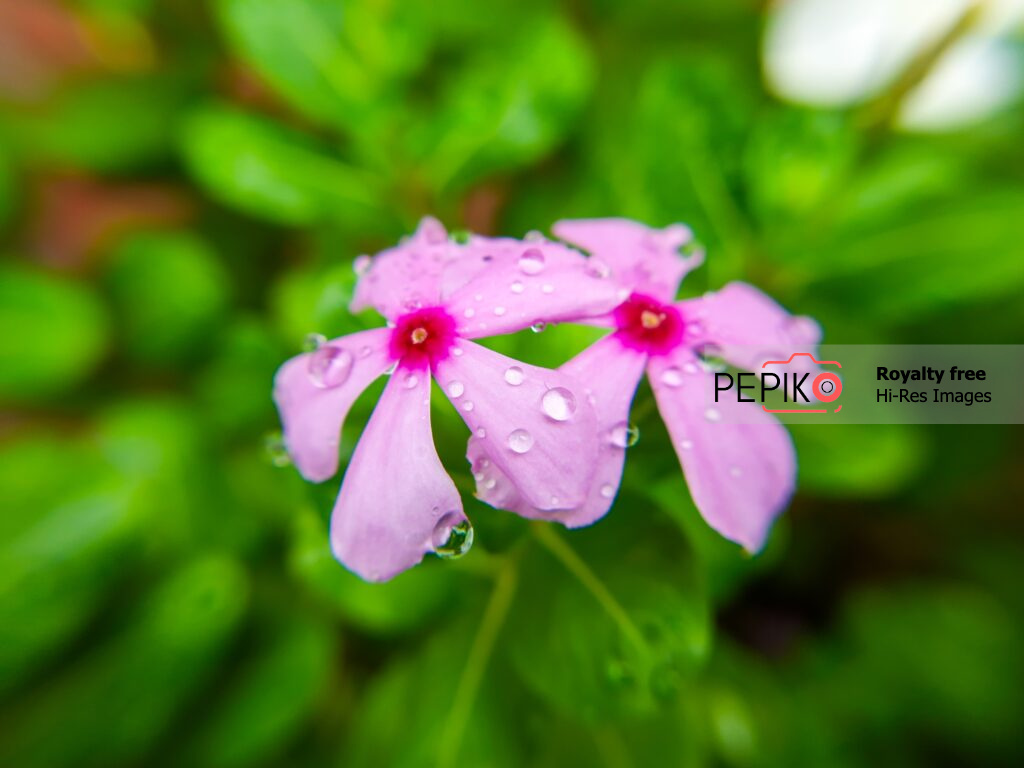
x,y
330,366
520,441
672,377
531,262
275,449
453,536
313,342
711,357
515,376
361,264
624,435
455,389
558,403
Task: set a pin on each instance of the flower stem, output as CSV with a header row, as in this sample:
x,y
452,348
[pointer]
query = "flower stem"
x,y
476,663
566,555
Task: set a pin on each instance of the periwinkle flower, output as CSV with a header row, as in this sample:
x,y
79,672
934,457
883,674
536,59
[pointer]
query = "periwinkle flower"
x,y
738,460
396,501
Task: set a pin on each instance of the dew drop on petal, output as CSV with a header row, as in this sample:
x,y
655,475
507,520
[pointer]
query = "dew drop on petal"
x,y
516,287
410,381
457,352
478,297
690,368
467,406
695,328
499,311
469,312
489,483
455,389
531,262
712,415
361,264
453,536
330,366
275,449
547,288
533,236
686,444
607,490
672,377
539,326
711,357
481,433
520,441
558,403
515,376
597,268
313,342
624,435
365,352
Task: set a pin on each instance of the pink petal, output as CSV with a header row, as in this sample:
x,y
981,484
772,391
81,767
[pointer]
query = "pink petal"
x,y
642,259
738,460
408,275
314,392
395,494
527,283
536,425
749,327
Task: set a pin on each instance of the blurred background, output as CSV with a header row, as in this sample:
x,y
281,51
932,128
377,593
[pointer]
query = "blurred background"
x,y
183,188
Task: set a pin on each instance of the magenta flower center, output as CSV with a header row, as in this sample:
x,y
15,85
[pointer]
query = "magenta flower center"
x,y
645,324
422,338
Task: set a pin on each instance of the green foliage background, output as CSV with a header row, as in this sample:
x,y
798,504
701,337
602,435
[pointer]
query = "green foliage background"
x,y
182,192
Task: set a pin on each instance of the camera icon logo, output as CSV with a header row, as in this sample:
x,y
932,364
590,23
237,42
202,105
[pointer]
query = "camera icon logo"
x,y
826,386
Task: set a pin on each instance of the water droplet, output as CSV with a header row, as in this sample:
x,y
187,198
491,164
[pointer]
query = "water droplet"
x,y
558,403
489,483
686,444
695,328
520,441
365,352
515,376
453,536
531,262
330,366
547,288
455,389
597,268
533,236
711,357
481,433
478,297
499,311
410,381
539,326
624,435
607,490
554,501
712,414
469,312
276,450
735,471
460,236
361,264
457,351
478,476
467,406
313,342
690,368
516,287
672,377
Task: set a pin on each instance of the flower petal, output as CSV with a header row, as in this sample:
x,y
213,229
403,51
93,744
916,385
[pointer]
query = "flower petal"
x,y
738,460
537,424
408,275
749,327
314,392
528,283
395,492
642,259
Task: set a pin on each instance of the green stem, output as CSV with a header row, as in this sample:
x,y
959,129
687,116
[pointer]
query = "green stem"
x,y
566,555
476,663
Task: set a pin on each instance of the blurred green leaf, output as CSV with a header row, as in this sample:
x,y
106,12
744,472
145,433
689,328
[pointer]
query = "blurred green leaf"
x,y
275,173
53,333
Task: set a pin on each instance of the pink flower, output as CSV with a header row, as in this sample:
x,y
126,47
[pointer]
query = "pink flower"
x,y
396,502
738,460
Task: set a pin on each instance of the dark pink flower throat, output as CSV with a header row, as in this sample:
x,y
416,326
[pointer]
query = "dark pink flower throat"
x,y
647,325
422,338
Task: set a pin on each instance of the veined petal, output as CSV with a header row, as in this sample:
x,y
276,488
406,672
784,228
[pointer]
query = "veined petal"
x,y
395,492
738,460
749,327
640,258
315,390
408,275
528,283
536,425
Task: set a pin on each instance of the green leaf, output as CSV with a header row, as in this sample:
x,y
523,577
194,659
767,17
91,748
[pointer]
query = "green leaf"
x,y
53,333
274,173
171,292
